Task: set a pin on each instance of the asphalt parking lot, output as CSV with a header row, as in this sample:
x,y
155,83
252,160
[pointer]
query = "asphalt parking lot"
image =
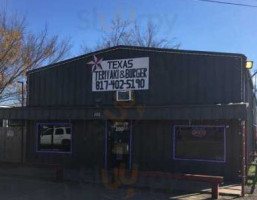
x,y
12,188
24,188
28,183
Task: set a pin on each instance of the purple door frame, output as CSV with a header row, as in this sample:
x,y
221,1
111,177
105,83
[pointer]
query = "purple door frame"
x,y
106,159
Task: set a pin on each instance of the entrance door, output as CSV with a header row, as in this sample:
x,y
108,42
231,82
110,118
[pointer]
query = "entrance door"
x,y
118,144
11,144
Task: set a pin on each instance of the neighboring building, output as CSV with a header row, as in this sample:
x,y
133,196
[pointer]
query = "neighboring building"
x,y
188,112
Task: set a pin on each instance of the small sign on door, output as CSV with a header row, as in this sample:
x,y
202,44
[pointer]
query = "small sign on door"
x,y
10,133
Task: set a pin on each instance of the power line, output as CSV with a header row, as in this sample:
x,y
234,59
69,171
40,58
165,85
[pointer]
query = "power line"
x,y
229,3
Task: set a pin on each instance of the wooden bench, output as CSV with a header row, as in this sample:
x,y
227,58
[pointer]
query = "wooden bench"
x,y
58,168
214,180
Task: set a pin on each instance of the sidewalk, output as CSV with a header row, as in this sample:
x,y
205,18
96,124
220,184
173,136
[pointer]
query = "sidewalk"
x,y
20,188
25,183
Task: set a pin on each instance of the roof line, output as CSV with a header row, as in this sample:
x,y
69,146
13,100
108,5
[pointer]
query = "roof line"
x,y
137,48
246,104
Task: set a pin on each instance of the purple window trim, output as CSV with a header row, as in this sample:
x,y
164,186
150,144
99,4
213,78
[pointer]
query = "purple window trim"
x,y
199,160
49,151
130,145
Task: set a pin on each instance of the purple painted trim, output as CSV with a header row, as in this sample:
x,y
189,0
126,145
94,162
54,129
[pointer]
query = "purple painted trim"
x,y
49,151
219,126
130,145
199,160
106,145
174,143
36,146
225,144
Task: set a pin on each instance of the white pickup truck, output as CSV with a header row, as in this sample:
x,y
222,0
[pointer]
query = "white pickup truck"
x,y
56,136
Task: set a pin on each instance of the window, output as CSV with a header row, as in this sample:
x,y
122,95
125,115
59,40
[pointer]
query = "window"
x,y
48,132
124,95
11,123
15,123
199,143
54,137
60,131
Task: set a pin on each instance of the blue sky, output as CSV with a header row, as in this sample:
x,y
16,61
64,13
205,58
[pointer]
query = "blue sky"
x,y
196,25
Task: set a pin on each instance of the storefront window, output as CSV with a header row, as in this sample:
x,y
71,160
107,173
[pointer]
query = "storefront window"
x,y
199,143
54,137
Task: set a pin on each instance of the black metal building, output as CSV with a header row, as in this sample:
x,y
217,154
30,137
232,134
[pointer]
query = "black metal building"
x,y
159,109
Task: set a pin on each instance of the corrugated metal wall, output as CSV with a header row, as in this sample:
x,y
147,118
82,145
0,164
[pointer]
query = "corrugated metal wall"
x,y
251,116
151,148
10,144
175,79
87,146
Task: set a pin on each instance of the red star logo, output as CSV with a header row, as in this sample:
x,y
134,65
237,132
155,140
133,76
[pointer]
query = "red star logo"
x,y
96,63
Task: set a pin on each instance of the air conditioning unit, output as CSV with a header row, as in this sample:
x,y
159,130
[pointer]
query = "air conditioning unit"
x,y
124,95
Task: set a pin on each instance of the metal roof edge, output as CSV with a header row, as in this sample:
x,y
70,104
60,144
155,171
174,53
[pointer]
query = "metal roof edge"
x,y
138,48
243,104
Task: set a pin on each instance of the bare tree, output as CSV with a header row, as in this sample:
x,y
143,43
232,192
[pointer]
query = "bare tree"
x,y
21,50
149,37
125,32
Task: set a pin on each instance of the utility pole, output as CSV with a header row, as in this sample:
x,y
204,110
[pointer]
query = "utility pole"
x,y
22,93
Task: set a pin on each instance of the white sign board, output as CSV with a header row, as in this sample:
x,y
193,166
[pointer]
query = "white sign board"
x,y
122,74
